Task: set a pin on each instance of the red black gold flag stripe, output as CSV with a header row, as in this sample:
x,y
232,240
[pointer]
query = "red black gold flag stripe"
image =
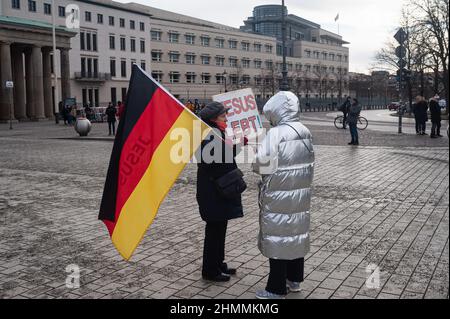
x,y
141,172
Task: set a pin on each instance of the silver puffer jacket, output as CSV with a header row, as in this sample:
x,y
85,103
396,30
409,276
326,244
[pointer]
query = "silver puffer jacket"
x,y
285,161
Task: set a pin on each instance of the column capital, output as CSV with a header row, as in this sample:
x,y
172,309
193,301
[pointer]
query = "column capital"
x,y
5,42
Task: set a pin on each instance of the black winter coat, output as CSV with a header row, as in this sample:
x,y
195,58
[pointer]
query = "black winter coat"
x,y
212,206
111,113
435,111
420,111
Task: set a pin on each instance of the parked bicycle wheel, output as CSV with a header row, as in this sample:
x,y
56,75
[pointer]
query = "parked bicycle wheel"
x,y
362,123
339,122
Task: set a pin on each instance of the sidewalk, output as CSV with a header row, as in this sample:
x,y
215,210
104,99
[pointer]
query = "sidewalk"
x,y
386,206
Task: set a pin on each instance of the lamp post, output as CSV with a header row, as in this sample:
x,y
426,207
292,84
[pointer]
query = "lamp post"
x,y
56,103
284,84
225,79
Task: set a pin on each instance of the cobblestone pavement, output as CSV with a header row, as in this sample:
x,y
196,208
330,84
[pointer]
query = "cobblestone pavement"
x,y
380,204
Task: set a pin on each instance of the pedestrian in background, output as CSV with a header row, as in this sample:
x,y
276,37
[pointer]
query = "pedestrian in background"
x,y
421,109
344,109
435,112
352,119
111,117
121,109
284,195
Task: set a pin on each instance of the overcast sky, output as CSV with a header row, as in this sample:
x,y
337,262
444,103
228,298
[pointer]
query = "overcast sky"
x,y
366,24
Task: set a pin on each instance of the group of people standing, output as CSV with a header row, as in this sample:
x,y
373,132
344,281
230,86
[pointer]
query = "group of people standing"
x,y
195,107
111,113
421,115
285,162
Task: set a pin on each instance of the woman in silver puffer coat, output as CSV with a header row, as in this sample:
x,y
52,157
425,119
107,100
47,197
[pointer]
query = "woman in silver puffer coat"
x,y
285,161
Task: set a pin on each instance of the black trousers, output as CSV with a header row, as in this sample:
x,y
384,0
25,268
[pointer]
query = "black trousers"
x,y
112,127
214,248
344,122
435,128
280,270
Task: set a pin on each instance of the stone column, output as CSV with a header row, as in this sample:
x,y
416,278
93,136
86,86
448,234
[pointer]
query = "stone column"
x,y
6,96
47,69
19,84
29,79
65,74
38,79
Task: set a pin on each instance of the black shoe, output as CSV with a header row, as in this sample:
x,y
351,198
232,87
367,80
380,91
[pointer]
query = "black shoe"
x,y
356,143
227,271
439,135
217,278
433,136
351,143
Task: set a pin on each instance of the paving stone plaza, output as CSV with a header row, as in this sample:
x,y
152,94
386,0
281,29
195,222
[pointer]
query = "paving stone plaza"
x,y
378,209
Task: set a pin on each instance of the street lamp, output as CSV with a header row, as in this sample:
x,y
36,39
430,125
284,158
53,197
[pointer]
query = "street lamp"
x,y
284,84
225,79
368,96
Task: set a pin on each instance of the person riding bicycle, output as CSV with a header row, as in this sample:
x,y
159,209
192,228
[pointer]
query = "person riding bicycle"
x,y
344,108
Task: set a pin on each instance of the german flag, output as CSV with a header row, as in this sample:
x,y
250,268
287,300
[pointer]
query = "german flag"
x,y
141,171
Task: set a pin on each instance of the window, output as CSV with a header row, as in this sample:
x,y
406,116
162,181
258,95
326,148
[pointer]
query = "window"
x,y
142,46
112,42
233,62
111,21
269,48
123,68
94,42
257,80
173,37
308,53
174,77
156,35
88,42
205,59
100,18
206,78
15,4
345,58
142,26
258,64
298,66
234,79
122,44
124,94
190,58
220,61
339,57
133,45
220,78
61,11
87,16
269,64
83,67
143,64
31,6
174,57
332,56
246,63
220,43
204,41
82,41
157,75
47,8
122,23
324,56
156,56
112,67
132,25
232,44
316,54
190,39
190,77
113,96
245,46
257,47
246,80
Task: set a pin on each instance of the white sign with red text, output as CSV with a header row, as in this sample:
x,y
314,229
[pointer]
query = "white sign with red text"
x,y
243,116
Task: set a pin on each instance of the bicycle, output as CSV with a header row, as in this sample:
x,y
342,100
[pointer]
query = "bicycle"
x,y
361,124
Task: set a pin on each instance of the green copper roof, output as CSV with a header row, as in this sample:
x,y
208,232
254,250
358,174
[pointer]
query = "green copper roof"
x,y
32,23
